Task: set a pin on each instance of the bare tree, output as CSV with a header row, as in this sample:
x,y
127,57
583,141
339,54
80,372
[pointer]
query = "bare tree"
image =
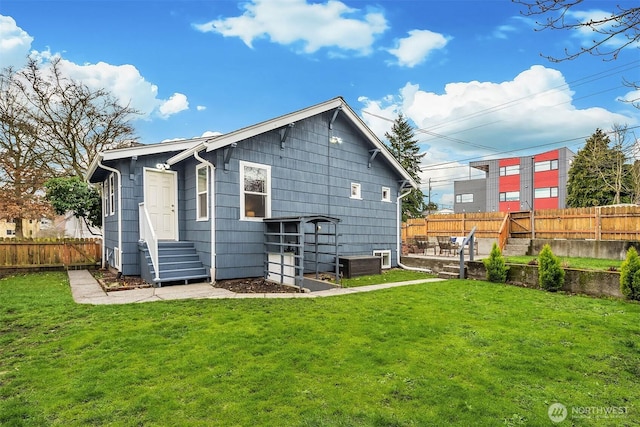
x,y
51,126
24,162
75,122
611,34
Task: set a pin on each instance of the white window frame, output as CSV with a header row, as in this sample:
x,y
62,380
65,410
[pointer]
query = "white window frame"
x,y
200,192
105,197
267,213
356,191
385,254
386,194
117,258
112,194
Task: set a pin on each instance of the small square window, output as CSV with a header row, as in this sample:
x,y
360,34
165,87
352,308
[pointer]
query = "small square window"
x,y
386,257
355,191
386,194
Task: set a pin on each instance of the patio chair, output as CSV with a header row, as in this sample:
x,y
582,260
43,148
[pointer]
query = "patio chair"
x,y
445,244
425,243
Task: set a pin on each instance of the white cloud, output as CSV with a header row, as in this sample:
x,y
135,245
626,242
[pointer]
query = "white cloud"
x,y
413,50
502,31
14,43
586,33
124,82
534,112
175,104
201,108
205,134
314,26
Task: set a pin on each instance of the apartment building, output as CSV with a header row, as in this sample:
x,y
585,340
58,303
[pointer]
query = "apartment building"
x,y
516,183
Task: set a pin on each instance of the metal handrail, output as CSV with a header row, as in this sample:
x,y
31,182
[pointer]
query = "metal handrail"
x,y
470,239
148,235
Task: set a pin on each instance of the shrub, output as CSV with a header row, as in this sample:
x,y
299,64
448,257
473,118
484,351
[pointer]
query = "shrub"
x,y
550,273
495,266
630,275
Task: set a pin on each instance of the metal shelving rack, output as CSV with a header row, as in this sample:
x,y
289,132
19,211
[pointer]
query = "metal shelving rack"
x,y
294,245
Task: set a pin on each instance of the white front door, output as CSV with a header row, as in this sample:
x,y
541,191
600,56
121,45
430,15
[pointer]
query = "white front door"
x,y
160,199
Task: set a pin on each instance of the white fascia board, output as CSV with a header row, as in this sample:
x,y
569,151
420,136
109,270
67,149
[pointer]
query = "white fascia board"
x,y
186,153
143,150
92,167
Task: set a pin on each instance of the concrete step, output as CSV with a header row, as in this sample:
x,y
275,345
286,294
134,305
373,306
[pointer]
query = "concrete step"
x,y
451,271
178,261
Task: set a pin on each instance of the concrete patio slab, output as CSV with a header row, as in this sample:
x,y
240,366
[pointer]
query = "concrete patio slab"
x,y
86,290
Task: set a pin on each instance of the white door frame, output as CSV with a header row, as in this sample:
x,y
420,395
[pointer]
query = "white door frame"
x,y
175,198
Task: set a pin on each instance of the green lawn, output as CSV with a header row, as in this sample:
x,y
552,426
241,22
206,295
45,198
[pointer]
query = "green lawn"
x,y
447,353
387,276
573,262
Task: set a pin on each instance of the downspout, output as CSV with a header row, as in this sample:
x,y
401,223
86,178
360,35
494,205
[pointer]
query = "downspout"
x,y
117,172
399,235
212,212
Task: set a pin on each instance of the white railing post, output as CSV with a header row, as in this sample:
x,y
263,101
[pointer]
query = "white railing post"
x,y
148,235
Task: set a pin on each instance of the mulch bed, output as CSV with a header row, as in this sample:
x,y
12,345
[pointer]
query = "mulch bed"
x,y
256,285
110,281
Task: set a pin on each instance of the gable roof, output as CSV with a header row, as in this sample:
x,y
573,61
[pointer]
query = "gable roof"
x,y
224,140
140,150
188,147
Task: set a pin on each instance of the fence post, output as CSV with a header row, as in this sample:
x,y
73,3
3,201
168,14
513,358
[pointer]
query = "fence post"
x,y
598,212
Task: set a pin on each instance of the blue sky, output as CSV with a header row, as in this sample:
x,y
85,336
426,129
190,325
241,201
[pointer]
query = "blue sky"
x,y
468,74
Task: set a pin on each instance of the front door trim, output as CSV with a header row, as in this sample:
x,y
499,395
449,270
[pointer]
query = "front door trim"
x,y
174,202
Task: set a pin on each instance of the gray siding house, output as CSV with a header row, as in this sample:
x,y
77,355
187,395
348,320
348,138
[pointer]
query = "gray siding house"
x,y
199,208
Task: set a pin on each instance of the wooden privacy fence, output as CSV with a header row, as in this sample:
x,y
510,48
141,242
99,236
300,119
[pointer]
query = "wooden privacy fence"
x,y
487,225
595,223
68,253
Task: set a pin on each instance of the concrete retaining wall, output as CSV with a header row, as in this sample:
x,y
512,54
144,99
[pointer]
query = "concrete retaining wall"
x,y
587,282
606,249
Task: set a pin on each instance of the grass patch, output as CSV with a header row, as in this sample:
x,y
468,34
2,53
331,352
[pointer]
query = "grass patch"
x,y
387,276
572,262
446,353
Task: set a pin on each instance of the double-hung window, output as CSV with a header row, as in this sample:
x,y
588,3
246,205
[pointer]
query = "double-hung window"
x,y
112,194
202,193
255,191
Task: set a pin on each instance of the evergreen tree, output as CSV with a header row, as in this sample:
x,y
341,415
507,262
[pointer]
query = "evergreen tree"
x,y
629,270
550,272
592,172
405,149
495,265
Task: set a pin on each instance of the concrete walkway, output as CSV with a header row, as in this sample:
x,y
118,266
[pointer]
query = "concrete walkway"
x,y
86,290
